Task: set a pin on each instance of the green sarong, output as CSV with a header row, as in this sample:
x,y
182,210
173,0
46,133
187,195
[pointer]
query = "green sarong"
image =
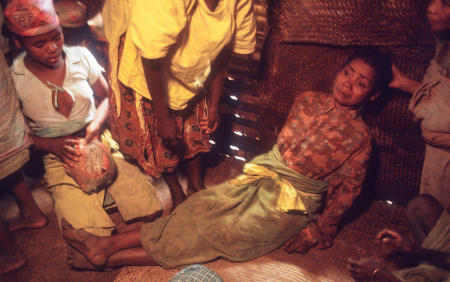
x,y
236,222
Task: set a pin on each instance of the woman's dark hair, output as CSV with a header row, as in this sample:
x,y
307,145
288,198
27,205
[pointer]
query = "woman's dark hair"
x,y
379,61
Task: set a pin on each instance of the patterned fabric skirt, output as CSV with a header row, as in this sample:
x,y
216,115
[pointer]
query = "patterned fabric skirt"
x,y
144,145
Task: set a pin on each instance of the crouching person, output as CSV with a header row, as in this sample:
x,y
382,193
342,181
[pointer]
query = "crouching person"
x,y
58,87
321,156
430,226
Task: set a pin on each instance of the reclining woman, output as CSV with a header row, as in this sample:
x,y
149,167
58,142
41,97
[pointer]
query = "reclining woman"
x,y
321,156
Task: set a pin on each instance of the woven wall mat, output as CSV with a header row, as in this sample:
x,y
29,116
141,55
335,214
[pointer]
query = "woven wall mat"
x,y
355,240
352,22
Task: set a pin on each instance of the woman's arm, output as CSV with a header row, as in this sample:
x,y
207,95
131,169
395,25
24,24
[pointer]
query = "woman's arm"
x,y
154,71
100,89
402,82
219,70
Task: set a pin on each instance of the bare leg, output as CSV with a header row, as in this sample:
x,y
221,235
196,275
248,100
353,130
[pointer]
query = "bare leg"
x,y
98,249
11,257
133,256
31,216
175,188
423,213
77,260
195,177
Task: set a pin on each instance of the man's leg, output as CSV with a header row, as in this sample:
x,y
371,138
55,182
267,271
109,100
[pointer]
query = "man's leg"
x,y
11,257
423,213
31,216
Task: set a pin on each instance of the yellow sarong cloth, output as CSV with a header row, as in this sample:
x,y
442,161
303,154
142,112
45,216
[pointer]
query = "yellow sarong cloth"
x,y
289,198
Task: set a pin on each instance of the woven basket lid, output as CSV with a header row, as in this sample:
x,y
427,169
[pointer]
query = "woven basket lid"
x,y
353,22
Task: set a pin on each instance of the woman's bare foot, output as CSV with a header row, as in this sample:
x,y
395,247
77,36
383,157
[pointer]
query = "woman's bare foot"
x,y
89,245
30,222
78,261
11,261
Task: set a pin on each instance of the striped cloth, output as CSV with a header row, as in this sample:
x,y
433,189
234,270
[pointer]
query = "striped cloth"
x,y
14,136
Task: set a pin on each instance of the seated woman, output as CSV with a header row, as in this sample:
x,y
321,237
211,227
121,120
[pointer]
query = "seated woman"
x,y
58,87
321,156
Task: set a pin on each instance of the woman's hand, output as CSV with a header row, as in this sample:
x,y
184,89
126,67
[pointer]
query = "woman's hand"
x,y
298,243
210,122
167,129
391,238
364,269
66,148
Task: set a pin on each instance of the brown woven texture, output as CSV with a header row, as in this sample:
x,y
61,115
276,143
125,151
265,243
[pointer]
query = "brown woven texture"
x,y
289,69
354,22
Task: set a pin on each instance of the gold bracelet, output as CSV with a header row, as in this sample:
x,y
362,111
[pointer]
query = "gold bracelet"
x,y
375,271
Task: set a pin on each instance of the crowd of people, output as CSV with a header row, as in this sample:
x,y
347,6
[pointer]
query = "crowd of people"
x,y
167,62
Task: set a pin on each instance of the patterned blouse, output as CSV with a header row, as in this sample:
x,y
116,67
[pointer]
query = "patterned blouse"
x,y
324,142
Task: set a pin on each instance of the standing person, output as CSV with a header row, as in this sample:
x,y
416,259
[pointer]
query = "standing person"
x,y
321,156
169,51
58,87
14,153
430,104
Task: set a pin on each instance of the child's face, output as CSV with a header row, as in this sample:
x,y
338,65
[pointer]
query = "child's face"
x,y
353,84
438,15
45,49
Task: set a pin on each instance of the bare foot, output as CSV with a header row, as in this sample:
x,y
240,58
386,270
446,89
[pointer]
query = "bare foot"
x,y
78,261
11,261
32,222
84,242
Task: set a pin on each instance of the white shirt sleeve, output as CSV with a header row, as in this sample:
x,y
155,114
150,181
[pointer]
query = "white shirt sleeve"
x,y
94,69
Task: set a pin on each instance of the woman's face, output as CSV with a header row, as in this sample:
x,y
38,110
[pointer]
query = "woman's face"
x,y
438,15
353,84
45,49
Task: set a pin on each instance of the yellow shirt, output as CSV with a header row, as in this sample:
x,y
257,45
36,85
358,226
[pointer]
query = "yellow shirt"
x,y
200,34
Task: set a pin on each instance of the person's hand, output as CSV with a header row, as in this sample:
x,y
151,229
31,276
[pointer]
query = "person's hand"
x,y
324,243
66,148
213,119
392,238
298,243
398,78
167,130
92,132
209,122
364,269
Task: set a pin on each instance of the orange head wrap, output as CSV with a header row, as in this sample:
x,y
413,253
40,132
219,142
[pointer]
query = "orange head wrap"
x,y
31,17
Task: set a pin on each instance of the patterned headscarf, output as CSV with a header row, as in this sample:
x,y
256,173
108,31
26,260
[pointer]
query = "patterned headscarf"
x,y
31,17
